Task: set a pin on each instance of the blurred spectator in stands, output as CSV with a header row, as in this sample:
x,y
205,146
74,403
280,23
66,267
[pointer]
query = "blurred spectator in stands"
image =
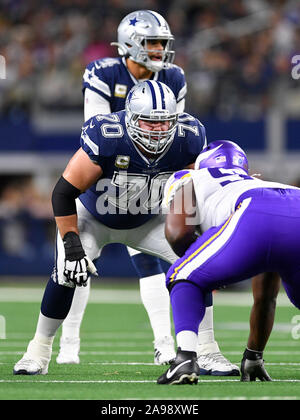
x,y
233,52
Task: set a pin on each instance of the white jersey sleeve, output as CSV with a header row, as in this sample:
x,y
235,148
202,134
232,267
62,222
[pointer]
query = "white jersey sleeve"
x,y
218,190
174,183
94,104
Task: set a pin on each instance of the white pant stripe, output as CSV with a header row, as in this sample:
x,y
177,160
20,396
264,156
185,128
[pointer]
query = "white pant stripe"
x,y
205,252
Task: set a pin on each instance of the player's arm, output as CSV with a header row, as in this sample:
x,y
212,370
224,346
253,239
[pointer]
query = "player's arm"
x,y
78,176
265,290
180,106
179,232
94,104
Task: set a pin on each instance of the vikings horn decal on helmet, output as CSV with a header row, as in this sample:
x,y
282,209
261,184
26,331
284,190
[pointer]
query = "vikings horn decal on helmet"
x,y
151,101
136,29
222,154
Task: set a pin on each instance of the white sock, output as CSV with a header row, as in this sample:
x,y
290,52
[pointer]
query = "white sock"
x,y
71,325
206,336
187,340
156,300
40,347
47,327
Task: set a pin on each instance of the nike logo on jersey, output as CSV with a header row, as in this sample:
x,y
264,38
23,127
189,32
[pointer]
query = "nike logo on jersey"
x,y
92,125
170,373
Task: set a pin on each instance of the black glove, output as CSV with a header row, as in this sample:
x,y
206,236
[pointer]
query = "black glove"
x,y
77,264
252,367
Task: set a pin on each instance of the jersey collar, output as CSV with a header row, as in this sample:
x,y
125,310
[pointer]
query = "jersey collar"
x,y
136,81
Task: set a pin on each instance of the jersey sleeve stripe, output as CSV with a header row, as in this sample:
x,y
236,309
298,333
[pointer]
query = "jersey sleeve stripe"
x,y
93,146
92,80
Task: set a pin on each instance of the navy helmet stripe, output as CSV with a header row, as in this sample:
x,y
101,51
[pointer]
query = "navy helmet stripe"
x,y
154,17
153,94
163,99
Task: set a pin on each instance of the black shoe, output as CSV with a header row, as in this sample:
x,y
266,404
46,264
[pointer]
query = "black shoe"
x,y
184,370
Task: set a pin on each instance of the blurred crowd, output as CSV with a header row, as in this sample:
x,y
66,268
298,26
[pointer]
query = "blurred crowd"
x,y
27,227
236,54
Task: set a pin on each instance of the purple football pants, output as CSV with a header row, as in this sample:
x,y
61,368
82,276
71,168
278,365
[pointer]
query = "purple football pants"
x,y
262,235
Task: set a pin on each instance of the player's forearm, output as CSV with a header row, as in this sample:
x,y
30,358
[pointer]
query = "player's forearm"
x,y
67,224
265,290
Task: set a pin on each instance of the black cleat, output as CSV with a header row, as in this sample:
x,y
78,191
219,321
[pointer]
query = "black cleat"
x,y
183,370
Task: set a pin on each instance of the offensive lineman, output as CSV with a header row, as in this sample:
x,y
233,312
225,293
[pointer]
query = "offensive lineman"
x,y
118,174
145,45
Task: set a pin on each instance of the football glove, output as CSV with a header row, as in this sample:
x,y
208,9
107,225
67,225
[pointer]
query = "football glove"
x,y
77,264
252,367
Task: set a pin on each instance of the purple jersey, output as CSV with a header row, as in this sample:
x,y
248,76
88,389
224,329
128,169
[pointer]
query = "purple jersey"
x,y
262,235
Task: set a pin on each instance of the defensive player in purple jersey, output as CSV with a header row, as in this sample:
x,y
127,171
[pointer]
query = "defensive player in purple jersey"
x,y
227,227
117,177
145,44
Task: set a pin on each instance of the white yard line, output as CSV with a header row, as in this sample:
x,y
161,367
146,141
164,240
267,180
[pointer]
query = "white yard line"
x,y
35,294
124,381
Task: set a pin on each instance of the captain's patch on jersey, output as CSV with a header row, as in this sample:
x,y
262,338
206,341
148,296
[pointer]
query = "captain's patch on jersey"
x,y
120,90
122,162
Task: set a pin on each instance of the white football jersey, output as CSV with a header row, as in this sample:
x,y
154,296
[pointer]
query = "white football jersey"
x,y
217,192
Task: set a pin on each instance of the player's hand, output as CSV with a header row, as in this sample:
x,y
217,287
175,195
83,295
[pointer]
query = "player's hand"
x,y
77,264
253,368
77,271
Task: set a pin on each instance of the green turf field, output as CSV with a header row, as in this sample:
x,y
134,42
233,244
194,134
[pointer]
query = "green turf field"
x,y
117,351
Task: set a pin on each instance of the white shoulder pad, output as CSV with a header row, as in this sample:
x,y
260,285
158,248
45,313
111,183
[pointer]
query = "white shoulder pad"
x,y
174,183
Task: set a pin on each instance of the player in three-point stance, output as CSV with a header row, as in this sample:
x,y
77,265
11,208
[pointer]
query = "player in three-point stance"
x,y
247,226
145,45
110,192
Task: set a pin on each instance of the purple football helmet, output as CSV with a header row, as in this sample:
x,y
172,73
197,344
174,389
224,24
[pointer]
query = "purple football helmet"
x,y
222,154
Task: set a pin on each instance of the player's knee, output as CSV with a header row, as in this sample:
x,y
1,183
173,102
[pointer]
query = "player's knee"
x,y
172,284
57,300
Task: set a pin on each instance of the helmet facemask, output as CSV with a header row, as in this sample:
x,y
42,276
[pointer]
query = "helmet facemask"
x,y
152,141
144,53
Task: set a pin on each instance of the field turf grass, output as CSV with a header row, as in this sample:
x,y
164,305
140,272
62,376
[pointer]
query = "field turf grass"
x,y
117,351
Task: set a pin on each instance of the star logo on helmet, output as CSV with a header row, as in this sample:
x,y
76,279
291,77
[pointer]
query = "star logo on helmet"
x,y
133,21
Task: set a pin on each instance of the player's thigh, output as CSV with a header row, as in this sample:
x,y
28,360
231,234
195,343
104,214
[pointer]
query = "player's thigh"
x,y
150,239
223,255
93,235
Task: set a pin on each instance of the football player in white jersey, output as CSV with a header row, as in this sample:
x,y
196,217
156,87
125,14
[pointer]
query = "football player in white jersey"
x,y
145,45
226,226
